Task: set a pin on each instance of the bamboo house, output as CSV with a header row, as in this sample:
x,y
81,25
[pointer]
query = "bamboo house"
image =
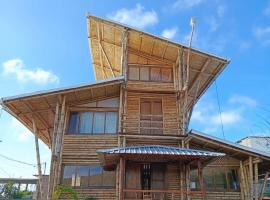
x,y
126,135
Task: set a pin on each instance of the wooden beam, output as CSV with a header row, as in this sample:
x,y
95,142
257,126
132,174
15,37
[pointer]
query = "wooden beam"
x,y
107,58
100,52
199,75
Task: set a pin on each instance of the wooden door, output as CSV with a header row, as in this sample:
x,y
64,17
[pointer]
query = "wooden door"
x,y
158,180
133,179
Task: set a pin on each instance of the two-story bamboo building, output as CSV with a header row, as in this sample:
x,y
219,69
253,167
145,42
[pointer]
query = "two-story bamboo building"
x,y
125,136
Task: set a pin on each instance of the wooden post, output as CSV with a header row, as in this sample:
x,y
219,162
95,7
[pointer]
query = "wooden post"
x,y
53,156
251,177
200,175
39,194
181,180
256,181
264,184
121,178
243,180
188,180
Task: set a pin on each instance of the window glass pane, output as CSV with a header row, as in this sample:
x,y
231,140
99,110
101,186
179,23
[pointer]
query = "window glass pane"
x,y
86,123
133,73
155,74
209,178
166,75
111,122
144,73
109,178
82,176
99,122
95,178
69,175
233,180
112,103
73,122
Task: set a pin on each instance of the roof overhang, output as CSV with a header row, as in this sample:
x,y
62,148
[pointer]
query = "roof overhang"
x,y
213,143
106,43
154,153
41,105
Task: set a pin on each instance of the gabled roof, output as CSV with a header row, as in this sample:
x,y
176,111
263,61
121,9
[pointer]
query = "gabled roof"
x,y
42,104
225,145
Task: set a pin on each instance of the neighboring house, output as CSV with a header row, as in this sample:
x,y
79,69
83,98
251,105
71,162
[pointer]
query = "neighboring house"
x,y
261,143
125,136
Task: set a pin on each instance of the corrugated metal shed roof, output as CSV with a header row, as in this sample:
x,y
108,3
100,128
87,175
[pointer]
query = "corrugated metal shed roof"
x,y
194,133
160,150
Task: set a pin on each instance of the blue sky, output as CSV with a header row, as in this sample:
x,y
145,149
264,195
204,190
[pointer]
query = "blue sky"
x,y
43,45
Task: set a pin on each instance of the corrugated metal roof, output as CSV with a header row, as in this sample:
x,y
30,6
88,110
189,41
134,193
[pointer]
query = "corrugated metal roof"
x,y
229,143
160,150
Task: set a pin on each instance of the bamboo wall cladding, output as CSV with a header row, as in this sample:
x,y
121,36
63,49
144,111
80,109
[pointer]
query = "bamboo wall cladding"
x,y
81,149
99,194
169,107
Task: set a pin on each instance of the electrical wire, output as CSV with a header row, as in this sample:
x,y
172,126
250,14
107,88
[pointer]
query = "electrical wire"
x,y
220,113
18,161
5,172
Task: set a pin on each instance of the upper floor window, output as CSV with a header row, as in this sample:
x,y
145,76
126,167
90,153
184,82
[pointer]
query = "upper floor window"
x,y
88,176
146,73
92,123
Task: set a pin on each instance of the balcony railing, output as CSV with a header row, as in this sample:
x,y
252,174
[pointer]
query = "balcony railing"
x,y
158,194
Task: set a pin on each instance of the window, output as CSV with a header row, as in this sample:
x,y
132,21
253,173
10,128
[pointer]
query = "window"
x,y
92,123
86,176
151,117
155,74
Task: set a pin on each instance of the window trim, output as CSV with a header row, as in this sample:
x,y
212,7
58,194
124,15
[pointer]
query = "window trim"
x,y
93,110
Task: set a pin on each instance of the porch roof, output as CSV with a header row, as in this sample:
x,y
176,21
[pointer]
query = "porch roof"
x,y
156,153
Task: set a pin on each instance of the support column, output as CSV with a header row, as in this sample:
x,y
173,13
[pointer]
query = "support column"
x,y
122,172
251,177
264,184
200,175
256,181
188,181
39,194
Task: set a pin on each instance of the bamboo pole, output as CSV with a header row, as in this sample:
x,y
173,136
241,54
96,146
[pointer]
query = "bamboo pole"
x,y
264,184
243,179
53,159
240,176
256,181
188,181
251,176
200,175
121,178
39,194
59,137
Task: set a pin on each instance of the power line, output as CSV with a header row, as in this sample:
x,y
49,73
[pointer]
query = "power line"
x,y
18,161
219,108
5,172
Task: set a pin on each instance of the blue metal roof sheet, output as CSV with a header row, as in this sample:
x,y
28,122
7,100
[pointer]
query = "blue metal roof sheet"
x,y
160,150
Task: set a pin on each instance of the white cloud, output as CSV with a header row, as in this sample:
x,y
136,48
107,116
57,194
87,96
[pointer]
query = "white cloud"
x,y
213,23
228,117
221,10
17,68
136,17
186,4
243,100
169,33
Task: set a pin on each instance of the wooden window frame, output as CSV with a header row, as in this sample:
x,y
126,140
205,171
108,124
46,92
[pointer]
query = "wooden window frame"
x,y
149,74
93,110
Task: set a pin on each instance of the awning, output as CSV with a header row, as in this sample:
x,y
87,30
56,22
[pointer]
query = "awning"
x,y
154,153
